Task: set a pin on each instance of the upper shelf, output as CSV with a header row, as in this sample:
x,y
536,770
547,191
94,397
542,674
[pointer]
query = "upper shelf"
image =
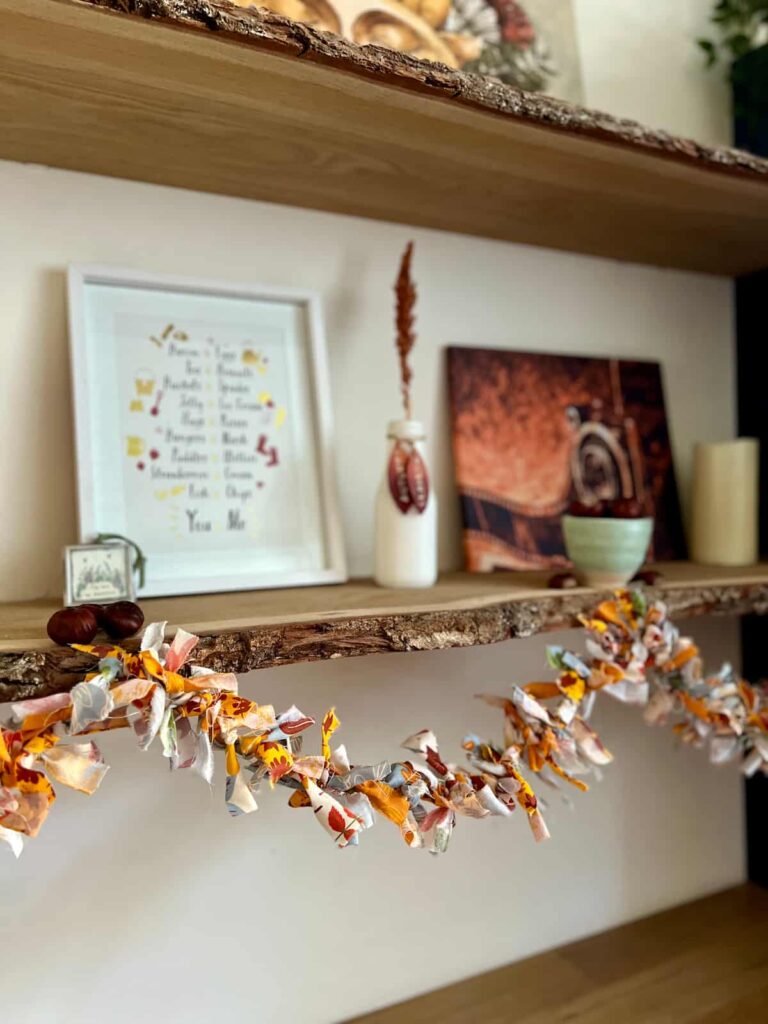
x,y
262,629
245,103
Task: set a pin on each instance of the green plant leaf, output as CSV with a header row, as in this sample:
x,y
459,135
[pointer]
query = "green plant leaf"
x,y
739,43
740,23
710,50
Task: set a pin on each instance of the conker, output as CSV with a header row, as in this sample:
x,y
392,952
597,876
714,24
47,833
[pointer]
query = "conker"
x,y
97,609
626,508
583,510
649,576
121,619
72,626
563,581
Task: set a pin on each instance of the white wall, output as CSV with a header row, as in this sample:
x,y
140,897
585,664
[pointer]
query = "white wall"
x,y
121,895
640,60
147,902
472,291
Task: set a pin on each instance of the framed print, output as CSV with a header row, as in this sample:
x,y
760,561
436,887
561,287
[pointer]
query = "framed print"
x,y
203,423
98,574
533,432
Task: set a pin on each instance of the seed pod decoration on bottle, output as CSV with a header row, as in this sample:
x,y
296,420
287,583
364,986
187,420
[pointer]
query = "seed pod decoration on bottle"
x,y
418,481
399,486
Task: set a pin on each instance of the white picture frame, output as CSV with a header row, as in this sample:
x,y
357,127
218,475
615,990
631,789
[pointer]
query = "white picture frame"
x,y
281,524
98,574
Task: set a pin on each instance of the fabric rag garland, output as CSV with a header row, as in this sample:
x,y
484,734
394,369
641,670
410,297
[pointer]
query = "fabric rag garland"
x,y
638,656
192,710
633,652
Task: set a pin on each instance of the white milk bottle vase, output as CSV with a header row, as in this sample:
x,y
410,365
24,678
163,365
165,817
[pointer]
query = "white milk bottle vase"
x,y
406,512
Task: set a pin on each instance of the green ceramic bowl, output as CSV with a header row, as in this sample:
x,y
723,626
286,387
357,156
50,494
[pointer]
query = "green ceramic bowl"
x,y
606,552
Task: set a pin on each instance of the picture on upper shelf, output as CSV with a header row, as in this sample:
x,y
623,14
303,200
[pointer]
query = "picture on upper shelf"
x,y
533,433
202,414
527,43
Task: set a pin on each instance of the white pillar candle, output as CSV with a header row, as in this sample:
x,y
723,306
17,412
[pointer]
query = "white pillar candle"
x,y
724,502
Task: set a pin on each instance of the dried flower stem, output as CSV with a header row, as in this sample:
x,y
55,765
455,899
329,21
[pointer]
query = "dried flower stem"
x,y
405,291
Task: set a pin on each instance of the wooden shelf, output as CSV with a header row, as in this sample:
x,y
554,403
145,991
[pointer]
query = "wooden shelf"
x,y
704,961
245,103
262,629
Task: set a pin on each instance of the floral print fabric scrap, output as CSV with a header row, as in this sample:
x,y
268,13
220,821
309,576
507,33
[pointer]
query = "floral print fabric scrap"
x,y
633,652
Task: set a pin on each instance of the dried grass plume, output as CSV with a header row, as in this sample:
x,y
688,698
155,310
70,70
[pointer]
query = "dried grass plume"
x,y
405,291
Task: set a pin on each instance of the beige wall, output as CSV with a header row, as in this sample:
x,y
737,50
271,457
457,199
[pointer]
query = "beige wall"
x,y
121,894
147,902
640,60
472,292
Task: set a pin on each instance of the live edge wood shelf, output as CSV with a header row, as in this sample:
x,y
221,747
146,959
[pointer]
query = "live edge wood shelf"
x,y
246,103
261,629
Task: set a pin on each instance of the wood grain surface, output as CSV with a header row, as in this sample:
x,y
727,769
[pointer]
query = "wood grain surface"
x,y
702,963
246,103
261,629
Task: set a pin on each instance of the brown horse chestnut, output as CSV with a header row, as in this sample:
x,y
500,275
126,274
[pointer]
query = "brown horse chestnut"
x,y
626,508
583,510
649,576
72,626
97,609
563,581
121,619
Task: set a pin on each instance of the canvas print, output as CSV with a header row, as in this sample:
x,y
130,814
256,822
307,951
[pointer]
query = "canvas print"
x,y
527,43
533,432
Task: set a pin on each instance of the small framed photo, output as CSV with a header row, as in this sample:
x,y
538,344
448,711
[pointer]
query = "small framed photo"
x,y
98,573
203,423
